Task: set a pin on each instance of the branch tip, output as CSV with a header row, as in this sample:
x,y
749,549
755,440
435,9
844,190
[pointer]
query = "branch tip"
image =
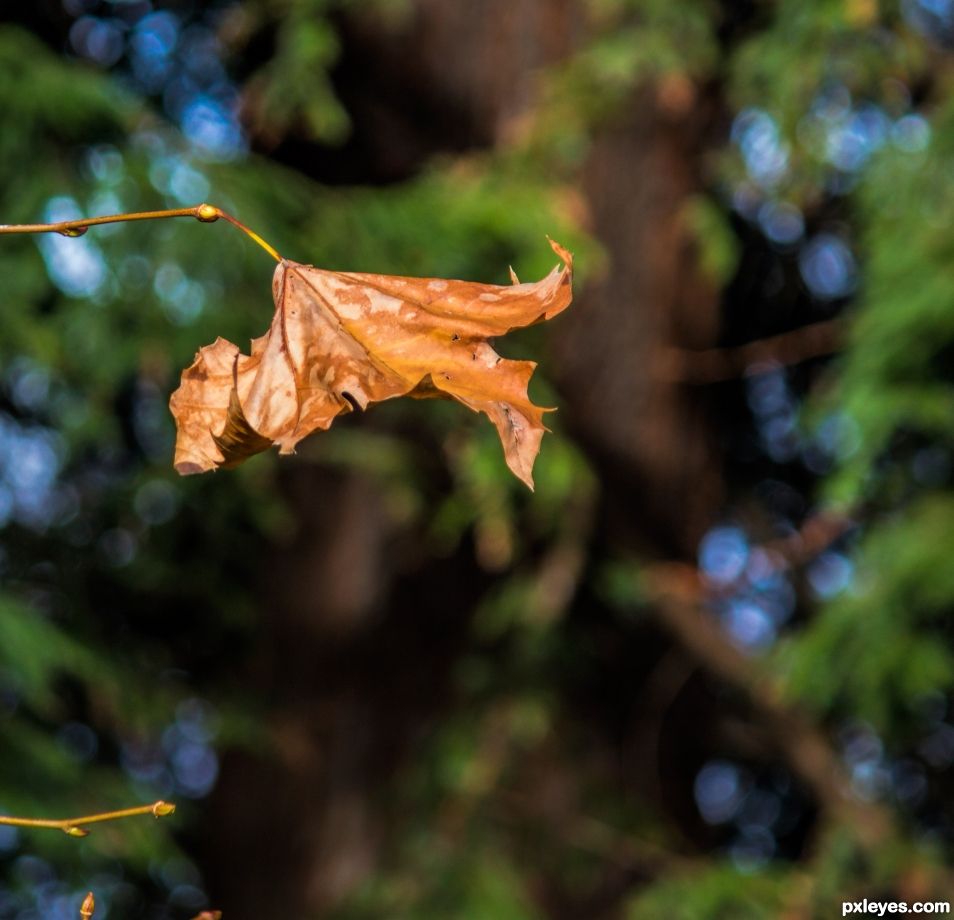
x,y
162,809
88,906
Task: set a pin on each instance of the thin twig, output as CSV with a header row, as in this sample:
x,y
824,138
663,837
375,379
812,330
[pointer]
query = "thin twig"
x,y
75,826
206,213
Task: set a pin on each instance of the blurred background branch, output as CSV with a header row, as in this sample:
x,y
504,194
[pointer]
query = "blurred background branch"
x,y
718,364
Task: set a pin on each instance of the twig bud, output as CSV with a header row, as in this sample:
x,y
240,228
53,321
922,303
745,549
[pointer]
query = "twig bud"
x,y
162,809
88,906
207,213
75,831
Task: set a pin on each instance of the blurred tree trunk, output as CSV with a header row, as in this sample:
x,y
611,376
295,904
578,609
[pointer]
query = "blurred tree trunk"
x,y
311,780
341,714
648,434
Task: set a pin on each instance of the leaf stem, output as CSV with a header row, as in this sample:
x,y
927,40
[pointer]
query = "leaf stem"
x,y
75,826
206,213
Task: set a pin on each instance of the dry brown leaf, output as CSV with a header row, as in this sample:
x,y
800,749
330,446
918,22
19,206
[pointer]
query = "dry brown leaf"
x,y
340,339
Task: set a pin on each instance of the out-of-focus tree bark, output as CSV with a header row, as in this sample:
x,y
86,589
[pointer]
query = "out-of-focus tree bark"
x,y
476,66
345,671
310,777
649,433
